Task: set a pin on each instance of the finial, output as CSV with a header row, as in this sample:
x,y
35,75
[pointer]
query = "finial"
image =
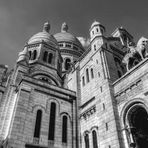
x,y
64,27
46,27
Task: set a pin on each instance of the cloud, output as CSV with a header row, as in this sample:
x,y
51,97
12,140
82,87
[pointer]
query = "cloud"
x,y
20,19
84,41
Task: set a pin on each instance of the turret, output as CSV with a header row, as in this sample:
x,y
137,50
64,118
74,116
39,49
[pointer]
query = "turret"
x,y
97,32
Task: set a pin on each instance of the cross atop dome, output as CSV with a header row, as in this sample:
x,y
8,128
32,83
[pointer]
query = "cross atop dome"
x,y
46,27
64,27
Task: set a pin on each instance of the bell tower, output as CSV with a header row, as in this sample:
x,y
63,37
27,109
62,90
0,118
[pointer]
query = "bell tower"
x,y
97,105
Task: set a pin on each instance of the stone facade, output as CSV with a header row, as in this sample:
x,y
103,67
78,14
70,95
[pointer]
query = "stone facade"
x,y
61,94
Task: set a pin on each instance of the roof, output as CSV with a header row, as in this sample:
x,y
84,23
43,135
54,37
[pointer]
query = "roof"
x,y
95,23
65,36
43,36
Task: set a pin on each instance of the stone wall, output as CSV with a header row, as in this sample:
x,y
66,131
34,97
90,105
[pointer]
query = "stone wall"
x,y
32,97
129,90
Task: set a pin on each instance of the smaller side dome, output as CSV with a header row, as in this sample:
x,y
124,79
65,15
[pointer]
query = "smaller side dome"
x,y
44,36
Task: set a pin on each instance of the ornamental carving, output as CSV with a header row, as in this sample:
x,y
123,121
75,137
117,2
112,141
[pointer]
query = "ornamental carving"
x,y
136,53
129,92
88,112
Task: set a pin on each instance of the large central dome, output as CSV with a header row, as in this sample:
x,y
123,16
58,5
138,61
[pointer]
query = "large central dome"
x,y
43,36
65,36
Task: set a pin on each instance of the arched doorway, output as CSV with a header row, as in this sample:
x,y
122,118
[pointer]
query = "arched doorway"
x,y
137,127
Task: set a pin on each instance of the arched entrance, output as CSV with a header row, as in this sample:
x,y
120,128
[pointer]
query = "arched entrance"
x,y
137,127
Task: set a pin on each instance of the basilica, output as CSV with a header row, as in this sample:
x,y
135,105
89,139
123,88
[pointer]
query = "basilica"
x,y
71,92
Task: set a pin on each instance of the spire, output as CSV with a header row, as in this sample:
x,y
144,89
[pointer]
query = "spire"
x,y
46,27
64,27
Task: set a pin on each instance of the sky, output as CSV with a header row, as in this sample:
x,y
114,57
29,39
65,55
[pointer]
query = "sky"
x,y
20,19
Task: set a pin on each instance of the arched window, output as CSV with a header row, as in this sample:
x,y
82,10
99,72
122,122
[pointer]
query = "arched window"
x,y
61,45
86,139
92,73
101,30
30,55
45,79
136,116
83,80
50,58
98,74
94,137
122,68
68,45
119,74
59,65
64,129
95,47
135,62
34,55
74,47
87,75
67,63
97,29
38,124
52,121
45,56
